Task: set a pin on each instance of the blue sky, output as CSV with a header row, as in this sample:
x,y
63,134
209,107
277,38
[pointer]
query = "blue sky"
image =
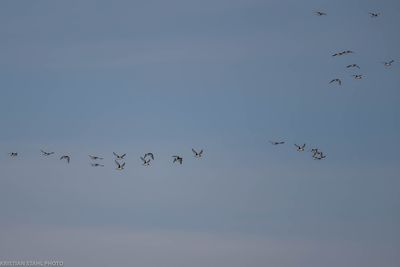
x,y
93,77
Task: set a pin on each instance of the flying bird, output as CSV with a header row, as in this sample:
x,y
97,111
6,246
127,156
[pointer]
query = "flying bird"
x,y
374,15
338,81
343,53
120,167
320,13
315,151
353,66
13,154
388,64
149,155
95,157
275,143
300,148
118,156
358,76
319,156
67,158
97,165
46,153
197,154
146,162
177,159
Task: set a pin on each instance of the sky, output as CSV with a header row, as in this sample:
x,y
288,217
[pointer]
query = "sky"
x,y
226,76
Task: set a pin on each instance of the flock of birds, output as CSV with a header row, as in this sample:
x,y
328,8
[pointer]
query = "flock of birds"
x,y
147,158
316,153
119,159
338,81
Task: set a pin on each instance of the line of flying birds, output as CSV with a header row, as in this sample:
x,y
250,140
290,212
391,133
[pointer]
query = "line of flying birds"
x,y
119,159
316,153
338,81
147,158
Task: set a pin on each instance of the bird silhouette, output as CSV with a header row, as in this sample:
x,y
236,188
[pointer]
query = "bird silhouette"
x,y
146,162
95,157
320,13
275,143
197,154
300,147
119,157
97,165
338,81
67,158
120,167
353,66
178,159
46,153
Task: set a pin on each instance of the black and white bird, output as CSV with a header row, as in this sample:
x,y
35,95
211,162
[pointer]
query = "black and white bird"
x,y
146,162
388,64
95,157
119,157
338,81
320,13
178,159
343,53
149,154
13,154
353,66
275,143
314,151
197,154
46,153
319,156
67,158
358,76
120,166
374,14
300,147
97,165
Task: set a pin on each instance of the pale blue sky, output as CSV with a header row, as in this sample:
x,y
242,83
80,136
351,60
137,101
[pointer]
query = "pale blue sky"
x,y
93,77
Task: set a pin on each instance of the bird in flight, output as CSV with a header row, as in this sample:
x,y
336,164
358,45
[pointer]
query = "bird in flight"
x,y
358,76
338,81
119,157
320,13
388,64
177,159
146,162
319,156
120,167
343,53
300,148
97,165
353,66
95,157
13,154
374,14
275,143
315,151
46,153
67,158
197,154
149,155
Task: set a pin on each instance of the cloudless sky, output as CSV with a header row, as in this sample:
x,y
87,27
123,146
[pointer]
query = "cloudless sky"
x,y
93,77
